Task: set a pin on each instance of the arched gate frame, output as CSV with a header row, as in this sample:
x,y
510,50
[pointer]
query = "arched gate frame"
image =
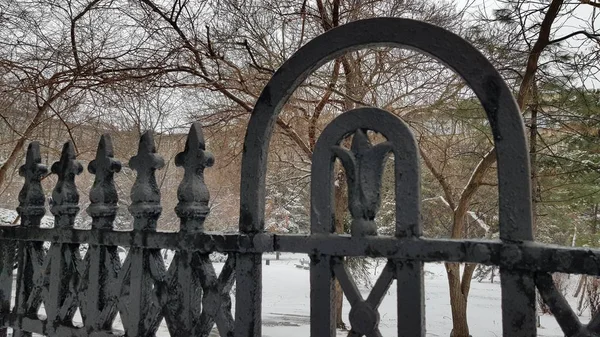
x,y
193,299
523,263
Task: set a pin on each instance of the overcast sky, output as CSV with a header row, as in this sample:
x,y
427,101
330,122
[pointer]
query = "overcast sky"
x,y
583,17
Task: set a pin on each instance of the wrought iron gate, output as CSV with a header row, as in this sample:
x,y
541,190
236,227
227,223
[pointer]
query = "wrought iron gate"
x,y
193,299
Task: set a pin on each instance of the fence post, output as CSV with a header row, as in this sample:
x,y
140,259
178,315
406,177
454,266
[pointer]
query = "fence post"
x,y
7,257
141,313
30,254
61,302
98,300
197,298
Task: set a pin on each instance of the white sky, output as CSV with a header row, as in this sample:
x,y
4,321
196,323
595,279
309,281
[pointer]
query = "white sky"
x,y
582,17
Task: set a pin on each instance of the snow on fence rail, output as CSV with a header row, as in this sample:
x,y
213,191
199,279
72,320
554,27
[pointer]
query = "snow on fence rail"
x,y
192,298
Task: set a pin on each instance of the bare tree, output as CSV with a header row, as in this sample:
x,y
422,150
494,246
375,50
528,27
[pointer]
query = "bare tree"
x,y
56,56
534,35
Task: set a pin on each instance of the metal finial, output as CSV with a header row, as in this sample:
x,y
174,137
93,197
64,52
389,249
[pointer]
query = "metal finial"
x,y
145,193
103,194
65,198
364,166
31,197
192,193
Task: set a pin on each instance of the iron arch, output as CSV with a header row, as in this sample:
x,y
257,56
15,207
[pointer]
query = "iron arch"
x,y
501,110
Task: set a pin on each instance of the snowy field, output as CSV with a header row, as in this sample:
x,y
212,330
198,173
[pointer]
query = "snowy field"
x,y
286,303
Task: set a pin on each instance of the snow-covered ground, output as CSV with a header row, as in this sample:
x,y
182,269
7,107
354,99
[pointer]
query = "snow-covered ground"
x,y
286,300
286,303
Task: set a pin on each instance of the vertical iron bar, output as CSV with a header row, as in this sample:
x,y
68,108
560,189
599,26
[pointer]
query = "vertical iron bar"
x,y
31,210
411,304
146,209
24,284
248,294
409,273
137,290
101,265
322,290
322,280
188,300
7,260
518,304
61,301
185,290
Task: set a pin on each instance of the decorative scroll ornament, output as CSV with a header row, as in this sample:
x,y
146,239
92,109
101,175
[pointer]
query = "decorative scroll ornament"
x,y
103,194
192,193
65,198
364,167
145,193
31,198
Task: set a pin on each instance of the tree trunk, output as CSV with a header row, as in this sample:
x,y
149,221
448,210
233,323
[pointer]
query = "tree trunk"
x,y
535,193
341,204
533,157
583,285
458,302
461,284
339,305
579,285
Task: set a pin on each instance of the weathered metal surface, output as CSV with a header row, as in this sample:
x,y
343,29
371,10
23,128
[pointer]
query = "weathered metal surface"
x,y
192,193
31,197
364,167
503,115
193,299
196,297
65,198
62,287
31,276
103,194
101,265
7,256
139,304
530,256
369,162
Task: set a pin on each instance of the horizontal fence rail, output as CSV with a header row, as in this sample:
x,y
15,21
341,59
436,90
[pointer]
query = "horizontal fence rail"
x,y
529,256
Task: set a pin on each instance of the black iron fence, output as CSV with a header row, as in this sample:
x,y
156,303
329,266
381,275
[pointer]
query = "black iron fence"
x,y
192,298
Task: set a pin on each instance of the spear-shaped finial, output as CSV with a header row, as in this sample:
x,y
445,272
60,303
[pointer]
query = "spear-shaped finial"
x,y
65,198
192,193
145,193
31,197
103,194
